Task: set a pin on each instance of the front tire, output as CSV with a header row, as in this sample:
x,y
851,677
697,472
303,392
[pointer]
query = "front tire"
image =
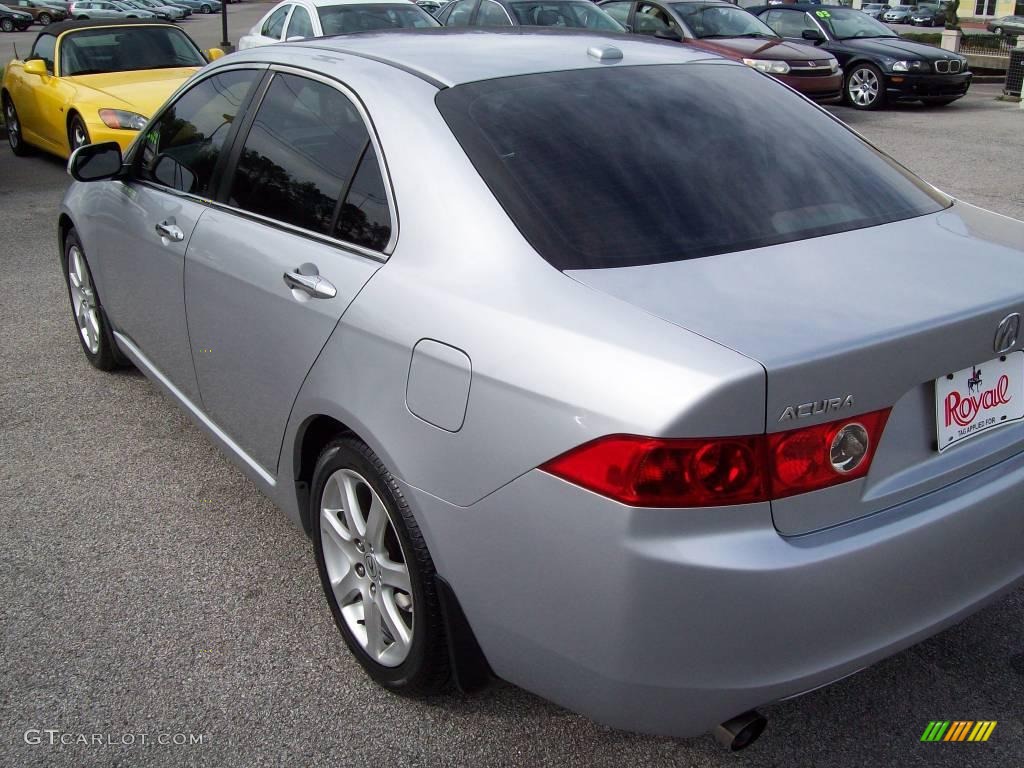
x,y
376,572
93,330
997,31
865,88
6,25
14,132
78,134
44,19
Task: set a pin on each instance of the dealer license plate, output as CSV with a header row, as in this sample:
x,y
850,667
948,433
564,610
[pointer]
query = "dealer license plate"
x,y
979,398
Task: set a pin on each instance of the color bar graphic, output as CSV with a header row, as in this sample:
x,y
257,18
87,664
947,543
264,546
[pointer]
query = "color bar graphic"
x,y
958,730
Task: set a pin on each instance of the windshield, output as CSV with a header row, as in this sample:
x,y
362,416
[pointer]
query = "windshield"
x,y
343,19
124,49
638,165
707,21
564,14
845,24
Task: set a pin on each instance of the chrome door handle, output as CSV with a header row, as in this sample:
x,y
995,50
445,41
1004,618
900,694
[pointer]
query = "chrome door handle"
x,y
315,285
171,231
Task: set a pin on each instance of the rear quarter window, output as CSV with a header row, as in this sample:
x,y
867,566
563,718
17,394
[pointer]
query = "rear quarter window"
x,y
639,165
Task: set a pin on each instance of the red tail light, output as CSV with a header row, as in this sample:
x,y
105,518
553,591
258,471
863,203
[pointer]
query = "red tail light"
x,y
655,472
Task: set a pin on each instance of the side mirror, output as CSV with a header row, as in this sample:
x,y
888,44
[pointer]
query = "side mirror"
x,y
36,67
813,34
213,54
96,162
669,34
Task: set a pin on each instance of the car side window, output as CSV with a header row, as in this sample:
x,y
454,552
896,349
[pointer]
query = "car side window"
x,y
45,49
651,19
274,25
787,23
308,161
618,11
365,218
491,14
181,149
300,25
459,15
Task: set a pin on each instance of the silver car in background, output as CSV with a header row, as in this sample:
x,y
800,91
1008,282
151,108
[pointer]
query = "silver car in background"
x,y
647,422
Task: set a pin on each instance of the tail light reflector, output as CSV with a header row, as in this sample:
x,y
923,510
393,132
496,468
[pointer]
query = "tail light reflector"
x,y
657,472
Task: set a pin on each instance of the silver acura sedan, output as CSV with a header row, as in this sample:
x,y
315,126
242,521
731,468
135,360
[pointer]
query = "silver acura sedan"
x,y
655,417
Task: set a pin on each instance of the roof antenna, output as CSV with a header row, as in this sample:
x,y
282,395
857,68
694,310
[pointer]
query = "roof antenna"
x,y
16,51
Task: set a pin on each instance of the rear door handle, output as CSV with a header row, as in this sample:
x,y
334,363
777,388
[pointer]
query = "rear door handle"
x,y
316,286
170,230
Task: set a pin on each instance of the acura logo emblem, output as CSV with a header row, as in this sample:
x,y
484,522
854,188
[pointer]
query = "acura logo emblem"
x,y
1006,333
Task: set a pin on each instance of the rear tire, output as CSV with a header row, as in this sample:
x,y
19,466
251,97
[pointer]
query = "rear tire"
x,y
206,9
376,571
90,321
15,137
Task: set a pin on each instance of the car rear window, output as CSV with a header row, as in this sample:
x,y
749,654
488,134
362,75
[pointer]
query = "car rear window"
x,y
639,165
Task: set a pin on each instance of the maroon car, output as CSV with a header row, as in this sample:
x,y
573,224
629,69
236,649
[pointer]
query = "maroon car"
x,y
730,31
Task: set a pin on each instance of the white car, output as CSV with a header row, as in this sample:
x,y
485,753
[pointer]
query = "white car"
x,y
300,19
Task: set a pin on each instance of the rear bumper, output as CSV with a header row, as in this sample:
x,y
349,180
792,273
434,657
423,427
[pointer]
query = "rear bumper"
x,y
916,87
671,621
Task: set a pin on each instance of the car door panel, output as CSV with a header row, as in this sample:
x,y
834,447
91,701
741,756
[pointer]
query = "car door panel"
x,y
298,184
147,228
146,302
254,338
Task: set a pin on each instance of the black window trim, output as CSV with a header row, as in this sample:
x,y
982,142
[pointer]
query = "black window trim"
x,y
228,160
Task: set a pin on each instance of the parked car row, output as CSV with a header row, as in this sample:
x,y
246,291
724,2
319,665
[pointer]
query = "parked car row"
x,y
42,13
918,15
826,53
167,10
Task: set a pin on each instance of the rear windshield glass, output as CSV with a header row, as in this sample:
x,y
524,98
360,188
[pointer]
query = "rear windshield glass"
x,y
343,19
544,13
639,165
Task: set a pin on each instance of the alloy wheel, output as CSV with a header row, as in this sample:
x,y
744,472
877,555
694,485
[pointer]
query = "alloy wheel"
x,y
83,300
13,126
79,136
44,19
6,25
863,87
366,567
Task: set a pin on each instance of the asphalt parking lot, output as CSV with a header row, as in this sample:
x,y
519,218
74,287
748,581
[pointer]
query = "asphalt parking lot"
x,y
148,588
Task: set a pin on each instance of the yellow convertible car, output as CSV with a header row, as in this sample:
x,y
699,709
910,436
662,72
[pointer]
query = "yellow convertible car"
x,y
93,81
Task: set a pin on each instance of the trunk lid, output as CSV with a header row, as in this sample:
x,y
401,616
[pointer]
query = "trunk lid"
x,y
876,314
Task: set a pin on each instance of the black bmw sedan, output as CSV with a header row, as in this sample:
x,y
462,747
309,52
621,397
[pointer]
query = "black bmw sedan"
x,y
879,65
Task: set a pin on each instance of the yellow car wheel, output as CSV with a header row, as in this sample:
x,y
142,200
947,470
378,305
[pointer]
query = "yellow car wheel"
x,y
14,138
78,134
